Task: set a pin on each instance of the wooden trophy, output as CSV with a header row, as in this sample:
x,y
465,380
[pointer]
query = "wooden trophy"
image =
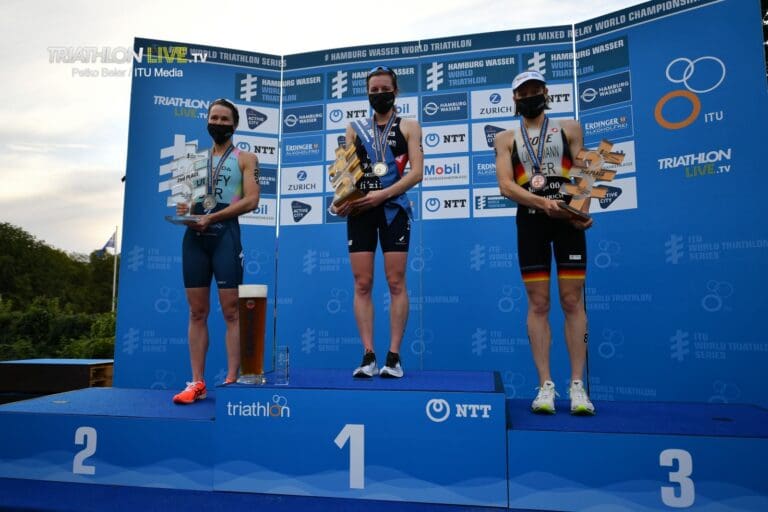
x,y
345,173
585,177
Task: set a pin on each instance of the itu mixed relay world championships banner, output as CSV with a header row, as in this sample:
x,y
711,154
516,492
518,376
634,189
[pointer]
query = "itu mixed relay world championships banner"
x,y
671,287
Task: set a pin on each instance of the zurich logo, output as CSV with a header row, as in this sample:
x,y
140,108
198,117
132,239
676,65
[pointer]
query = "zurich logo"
x,y
431,108
432,204
494,98
291,120
336,115
301,175
432,140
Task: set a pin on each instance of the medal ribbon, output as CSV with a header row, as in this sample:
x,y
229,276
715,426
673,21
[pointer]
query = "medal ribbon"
x,y
213,175
536,157
380,139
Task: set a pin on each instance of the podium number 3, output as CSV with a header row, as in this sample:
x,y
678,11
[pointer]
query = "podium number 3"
x,y
355,434
88,437
685,493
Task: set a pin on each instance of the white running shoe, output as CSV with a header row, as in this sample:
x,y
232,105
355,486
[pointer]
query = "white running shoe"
x,y
580,403
367,368
544,402
392,369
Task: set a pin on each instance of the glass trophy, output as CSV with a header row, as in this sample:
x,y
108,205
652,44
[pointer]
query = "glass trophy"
x,y
189,177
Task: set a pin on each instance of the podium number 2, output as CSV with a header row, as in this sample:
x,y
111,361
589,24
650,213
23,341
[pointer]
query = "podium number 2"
x,y
356,436
88,437
686,491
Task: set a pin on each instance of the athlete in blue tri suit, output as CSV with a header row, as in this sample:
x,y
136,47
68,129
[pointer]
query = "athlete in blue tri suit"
x,y
384,145
211,246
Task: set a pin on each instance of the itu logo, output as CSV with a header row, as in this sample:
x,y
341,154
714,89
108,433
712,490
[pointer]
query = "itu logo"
x,y
336,115
495,98
432,204
698,76
432,140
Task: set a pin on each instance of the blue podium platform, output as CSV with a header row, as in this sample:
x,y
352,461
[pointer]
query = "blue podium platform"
x,y
440,441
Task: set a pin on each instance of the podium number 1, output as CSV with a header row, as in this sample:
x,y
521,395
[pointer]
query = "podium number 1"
x,y
356,436
686,491
88,437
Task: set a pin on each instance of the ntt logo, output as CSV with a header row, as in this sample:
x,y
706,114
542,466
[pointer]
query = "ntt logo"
x,y
432,204
336,115
432,140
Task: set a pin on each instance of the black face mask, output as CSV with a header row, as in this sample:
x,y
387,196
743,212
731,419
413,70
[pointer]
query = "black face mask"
x,y
531,106
382,102
221,132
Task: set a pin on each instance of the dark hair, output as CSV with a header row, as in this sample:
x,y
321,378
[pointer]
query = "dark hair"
x,y
381,70
226,103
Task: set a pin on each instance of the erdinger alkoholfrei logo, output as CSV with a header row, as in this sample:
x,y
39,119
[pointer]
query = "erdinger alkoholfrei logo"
x,y
254,117
300,210
491,132
698,76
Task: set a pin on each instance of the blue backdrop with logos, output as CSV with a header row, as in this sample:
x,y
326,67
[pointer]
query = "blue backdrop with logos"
x,y
673,279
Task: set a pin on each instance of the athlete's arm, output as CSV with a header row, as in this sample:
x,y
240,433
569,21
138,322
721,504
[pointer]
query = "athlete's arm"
x,y
411,130
575,136
249,166
503,144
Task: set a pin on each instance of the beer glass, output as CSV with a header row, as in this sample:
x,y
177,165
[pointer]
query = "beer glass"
x,y
252,306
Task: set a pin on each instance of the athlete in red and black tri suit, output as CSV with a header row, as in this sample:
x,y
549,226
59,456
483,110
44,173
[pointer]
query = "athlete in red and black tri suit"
x,y
532,163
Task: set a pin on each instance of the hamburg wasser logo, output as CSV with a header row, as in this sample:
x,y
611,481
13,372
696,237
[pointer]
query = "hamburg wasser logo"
x,y
698,76
277,407
300,210
439,410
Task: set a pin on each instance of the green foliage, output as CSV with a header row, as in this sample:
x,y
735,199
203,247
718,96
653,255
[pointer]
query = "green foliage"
x,y
53,304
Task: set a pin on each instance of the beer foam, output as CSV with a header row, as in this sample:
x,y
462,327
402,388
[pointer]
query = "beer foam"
x,y
252,290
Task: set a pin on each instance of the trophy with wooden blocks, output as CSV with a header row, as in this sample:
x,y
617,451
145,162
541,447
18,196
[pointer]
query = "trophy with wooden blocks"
x,y
188,179
345,173
583,188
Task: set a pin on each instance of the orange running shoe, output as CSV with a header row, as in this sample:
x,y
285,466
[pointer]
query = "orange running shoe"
x,y
193,391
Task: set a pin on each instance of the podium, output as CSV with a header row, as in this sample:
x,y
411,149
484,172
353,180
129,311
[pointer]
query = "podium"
x,y
437,441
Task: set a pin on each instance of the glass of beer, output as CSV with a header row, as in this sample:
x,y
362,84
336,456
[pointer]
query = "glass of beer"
x,y
252,306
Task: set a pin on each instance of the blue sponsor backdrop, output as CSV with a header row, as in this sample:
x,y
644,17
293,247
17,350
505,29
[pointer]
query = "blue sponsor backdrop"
x,y
673,272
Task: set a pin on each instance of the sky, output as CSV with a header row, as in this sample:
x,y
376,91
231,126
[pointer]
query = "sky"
x,y
63,137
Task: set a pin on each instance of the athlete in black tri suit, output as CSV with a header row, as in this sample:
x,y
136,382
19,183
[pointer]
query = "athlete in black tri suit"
x,y
384,145
212,247
531,165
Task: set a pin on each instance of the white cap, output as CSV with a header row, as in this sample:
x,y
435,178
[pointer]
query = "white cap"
x,y
526,76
